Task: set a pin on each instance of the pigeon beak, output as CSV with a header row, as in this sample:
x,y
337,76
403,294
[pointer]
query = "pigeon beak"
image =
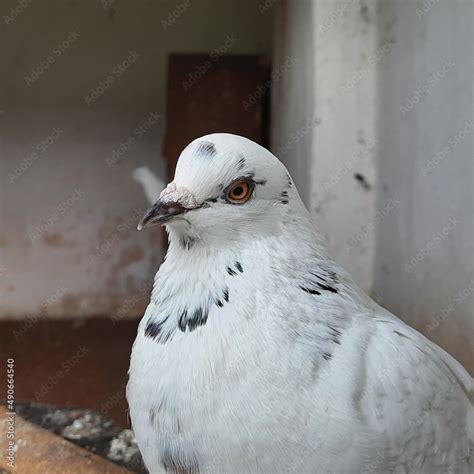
x,y
161,212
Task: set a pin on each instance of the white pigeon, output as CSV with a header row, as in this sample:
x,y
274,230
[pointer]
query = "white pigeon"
x,y
258,353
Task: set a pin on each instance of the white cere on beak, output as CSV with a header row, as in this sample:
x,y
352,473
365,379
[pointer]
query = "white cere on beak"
x,y
179,194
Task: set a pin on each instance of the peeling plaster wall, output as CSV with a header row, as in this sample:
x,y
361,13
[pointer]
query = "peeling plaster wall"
x,y
71,136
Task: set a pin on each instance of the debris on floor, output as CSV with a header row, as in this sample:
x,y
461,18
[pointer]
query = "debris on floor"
x,y
123,449
89,430
38,450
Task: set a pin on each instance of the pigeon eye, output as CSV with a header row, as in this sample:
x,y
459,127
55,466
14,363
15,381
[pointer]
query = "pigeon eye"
x,y
239,192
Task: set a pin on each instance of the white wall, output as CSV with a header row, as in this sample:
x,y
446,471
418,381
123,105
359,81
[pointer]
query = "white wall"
x,y
391,86
88,259
425,246
324,120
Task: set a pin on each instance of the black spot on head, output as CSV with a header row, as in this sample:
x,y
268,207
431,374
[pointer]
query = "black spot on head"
x,y
231,272
151,416
206,148
226,294
251,177
241,163
327,356
238,265
219,303
290,183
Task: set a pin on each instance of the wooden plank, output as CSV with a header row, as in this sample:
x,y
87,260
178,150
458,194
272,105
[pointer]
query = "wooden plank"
x,y
38,450
54,345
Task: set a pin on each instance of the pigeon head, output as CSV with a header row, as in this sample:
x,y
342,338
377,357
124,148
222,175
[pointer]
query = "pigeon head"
x,y
225,186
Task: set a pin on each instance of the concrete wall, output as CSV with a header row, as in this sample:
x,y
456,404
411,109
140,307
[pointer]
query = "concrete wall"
x,y
425,246
390,154
82,96
324,120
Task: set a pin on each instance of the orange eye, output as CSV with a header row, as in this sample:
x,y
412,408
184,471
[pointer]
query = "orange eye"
x,y
239,192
